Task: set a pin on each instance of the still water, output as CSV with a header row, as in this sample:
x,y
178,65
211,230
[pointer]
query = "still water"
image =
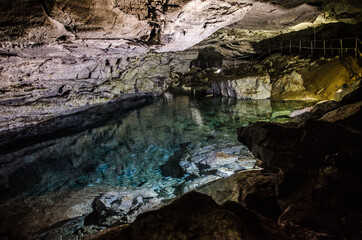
x,y
170,147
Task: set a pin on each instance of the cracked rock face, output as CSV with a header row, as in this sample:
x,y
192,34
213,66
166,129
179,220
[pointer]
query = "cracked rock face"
x,y
252,87
175,24
82,73
61,55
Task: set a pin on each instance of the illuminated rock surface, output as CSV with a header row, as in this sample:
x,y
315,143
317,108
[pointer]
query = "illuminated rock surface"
x,y
311,180
74,163
112,171
59,56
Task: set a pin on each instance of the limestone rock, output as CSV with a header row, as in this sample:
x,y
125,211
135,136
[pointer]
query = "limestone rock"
x,y
349,115
253,87
289,83
285,151
340,94
212,162
193,184
124,205
196,216
315,111
54,78
312,159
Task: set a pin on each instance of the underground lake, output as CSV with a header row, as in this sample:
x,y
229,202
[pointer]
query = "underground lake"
x,y
149,156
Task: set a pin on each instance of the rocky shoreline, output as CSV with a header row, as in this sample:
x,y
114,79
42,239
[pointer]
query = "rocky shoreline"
x,y
72,167
72,122
97,212
310,187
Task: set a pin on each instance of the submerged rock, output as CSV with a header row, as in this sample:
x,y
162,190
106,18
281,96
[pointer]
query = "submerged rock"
x,y
121,206
310,188
172,166
193,184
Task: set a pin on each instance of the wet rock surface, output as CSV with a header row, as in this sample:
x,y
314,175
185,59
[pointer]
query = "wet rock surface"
x,y
106,175
310,188
43,82
72,122
195,216
319,170
60,58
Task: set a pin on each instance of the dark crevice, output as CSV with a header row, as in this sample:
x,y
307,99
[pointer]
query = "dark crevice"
x,y
45,7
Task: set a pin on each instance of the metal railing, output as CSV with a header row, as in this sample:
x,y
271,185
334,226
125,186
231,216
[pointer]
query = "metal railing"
x,y
328,47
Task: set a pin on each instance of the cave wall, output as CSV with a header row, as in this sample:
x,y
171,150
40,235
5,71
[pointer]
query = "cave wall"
x,y
85,18
61,55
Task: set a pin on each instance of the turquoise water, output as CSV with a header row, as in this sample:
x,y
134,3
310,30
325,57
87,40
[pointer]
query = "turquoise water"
x,y
199,134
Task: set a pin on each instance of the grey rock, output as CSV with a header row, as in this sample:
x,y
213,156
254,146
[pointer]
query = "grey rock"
x,y
253,87
191,185
292,82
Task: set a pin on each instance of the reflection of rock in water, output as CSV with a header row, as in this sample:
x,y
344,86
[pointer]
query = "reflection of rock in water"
x,y
196,116
129,152
173,134
245,108
260,108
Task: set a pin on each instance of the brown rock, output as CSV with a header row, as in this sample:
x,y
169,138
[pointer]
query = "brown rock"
x,y
349,115
193,216
319,179
196,216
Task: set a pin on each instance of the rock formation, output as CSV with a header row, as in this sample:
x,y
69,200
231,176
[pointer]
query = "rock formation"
x,y
310,188
65,65
46,46
252,87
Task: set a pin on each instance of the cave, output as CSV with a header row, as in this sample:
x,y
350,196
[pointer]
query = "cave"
x,y
180,119
207,58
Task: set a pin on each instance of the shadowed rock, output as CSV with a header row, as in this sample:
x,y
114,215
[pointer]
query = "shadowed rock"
x,y
196,216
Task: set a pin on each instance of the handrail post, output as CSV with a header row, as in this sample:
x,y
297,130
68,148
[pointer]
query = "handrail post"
x,y
355,50
300,46
324,47
340,40
314,37
311,47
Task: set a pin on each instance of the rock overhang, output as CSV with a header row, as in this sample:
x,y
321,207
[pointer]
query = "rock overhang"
x,y
168,25
59,55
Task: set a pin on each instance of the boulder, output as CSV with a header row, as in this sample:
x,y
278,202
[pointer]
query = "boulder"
x,y
349,115
196,216
114,206
292,82
293,145
252,87
319,172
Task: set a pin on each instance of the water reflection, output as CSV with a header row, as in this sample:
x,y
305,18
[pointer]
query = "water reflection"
x,y
129,153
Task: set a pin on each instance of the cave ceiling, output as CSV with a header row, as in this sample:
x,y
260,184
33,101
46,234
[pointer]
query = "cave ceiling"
x,y
169,25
